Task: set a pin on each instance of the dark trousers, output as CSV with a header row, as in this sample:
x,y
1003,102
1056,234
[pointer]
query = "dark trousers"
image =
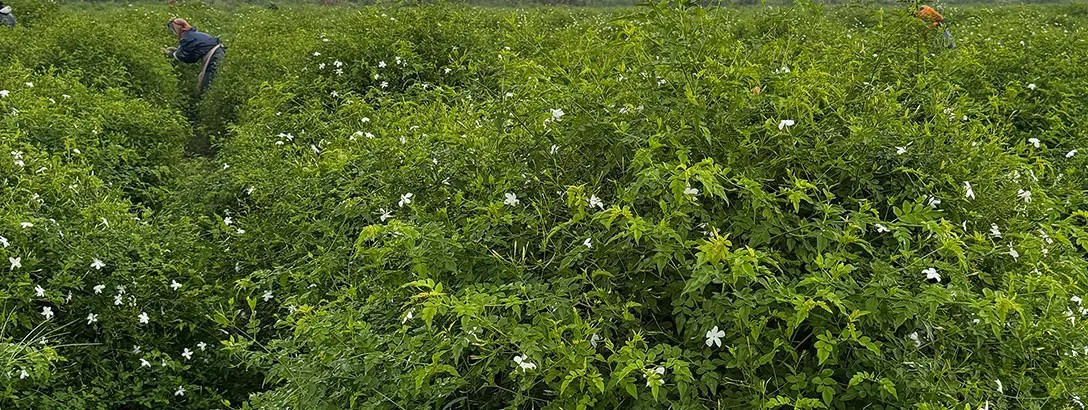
x,y
213,67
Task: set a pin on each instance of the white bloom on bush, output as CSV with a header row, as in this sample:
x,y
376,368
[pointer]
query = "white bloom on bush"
x,y
202,346
174,285
144,319
99,288
689,191
900,150
588,243
381,64
1031,86
1070,154
970,191
92,318
714,337
1000,387
1076,400
47,312
23,374
145,363
4,93
933,202
408,316
29,84
4,241
39,291
16,262
1013,252
187,354
338,63
509,95
317,54
97,264
376,76
334,93
1024,195
384,84
595,202
1071,316
405,199
447,70
994,231
880,228
917,340
25,225
267,296
557,113
593,340
652,380
321,66
785,123
1076,299
511,199
180,391
1034,141
384,214
555,149
931,274
68,297
524,363
117,300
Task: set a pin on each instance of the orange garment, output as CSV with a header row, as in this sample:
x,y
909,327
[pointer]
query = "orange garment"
x,y
929,15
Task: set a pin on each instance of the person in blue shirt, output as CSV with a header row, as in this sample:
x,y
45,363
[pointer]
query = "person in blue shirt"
x,y
6,18
193,47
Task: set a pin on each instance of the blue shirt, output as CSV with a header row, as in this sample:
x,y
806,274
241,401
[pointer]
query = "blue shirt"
x,y
194,45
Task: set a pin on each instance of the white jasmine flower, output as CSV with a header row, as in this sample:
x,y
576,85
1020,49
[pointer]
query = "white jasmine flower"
x,y
523,363
595,202
1024,195
931,274
714,337
511,199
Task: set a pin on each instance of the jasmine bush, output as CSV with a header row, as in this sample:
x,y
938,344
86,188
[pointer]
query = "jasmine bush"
x,y
449,207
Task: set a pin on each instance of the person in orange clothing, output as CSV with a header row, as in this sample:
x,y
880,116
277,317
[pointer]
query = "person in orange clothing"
x,y
935,19
929,15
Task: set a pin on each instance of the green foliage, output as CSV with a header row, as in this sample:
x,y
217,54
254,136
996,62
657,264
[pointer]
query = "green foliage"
x,y
450,207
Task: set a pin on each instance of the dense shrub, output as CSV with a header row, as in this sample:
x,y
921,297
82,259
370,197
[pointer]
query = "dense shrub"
x,y
668,207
